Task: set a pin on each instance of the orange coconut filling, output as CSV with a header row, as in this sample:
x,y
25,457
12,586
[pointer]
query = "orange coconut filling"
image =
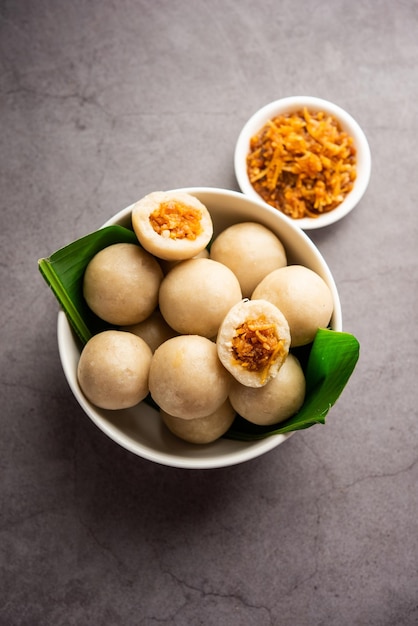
x,y
256,346
175,220
302,163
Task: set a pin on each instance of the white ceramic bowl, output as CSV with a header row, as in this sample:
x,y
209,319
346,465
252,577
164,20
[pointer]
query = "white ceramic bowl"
x,y
295,103
139,429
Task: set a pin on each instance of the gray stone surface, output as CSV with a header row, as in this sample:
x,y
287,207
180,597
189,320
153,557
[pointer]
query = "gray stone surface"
x,y
102,102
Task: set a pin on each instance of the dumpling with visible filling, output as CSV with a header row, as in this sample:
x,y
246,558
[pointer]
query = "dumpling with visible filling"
x,y
253,342
172,225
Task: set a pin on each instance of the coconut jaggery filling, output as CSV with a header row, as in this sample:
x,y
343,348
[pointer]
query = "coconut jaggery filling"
x,y
302,163
176,220
256,345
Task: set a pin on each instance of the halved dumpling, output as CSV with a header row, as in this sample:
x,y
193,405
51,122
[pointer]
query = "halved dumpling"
x,y
253,342
172,225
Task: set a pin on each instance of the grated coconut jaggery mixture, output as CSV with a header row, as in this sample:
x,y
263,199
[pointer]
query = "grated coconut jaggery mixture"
x,y
176,220
302,163
256,345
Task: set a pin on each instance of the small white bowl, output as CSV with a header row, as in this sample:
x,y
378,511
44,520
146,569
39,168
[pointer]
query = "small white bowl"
x,y
348,124
139,429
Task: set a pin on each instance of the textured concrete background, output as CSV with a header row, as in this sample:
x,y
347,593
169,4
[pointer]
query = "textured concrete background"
x,y
103,101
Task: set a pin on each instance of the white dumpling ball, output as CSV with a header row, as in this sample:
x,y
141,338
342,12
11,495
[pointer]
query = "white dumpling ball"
x,y
121,283
167,266
154,330
172,225
196,295
251,251
253,342
113,369
303,297
281,398
201,430
186,377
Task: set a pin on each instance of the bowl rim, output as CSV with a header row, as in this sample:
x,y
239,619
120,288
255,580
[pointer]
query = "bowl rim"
x,y
235,456
348,123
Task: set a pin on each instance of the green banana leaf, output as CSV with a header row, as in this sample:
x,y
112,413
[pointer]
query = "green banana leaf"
x,y
328,367
327,363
